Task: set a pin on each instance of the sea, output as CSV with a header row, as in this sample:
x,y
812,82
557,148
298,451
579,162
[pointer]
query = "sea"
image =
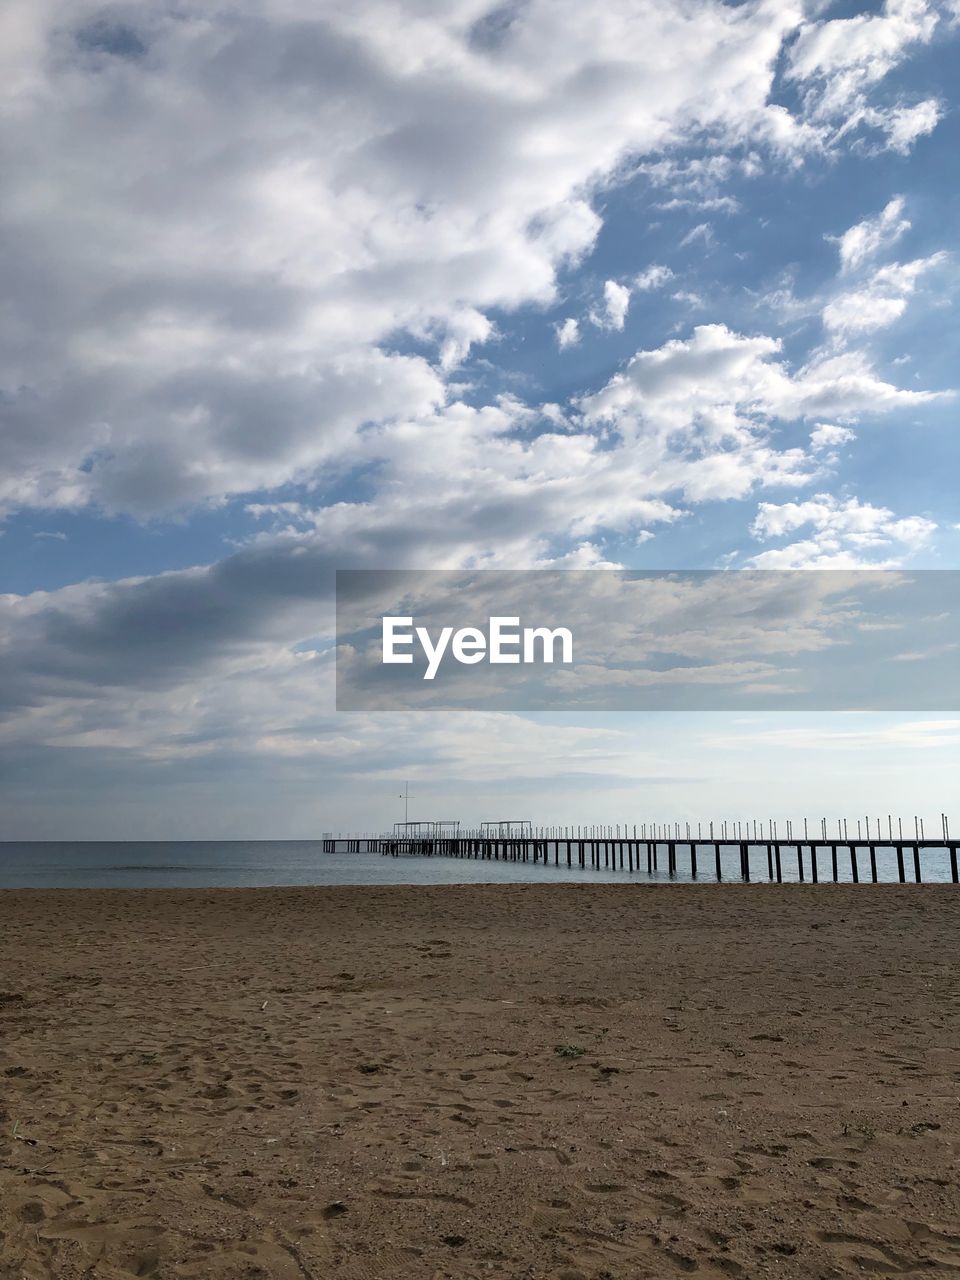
x,y
196,864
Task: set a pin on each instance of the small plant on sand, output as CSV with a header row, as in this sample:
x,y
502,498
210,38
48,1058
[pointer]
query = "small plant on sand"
x,y
862,1130
568,1051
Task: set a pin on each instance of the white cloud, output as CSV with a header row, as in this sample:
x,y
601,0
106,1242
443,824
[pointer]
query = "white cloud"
x,y
568,333
458,332
867,238
616,302
903,125
698,415
236,215
880,301
843,534
703,232
840,59
652,277
696,182
827,435
720,385
712,204
862,312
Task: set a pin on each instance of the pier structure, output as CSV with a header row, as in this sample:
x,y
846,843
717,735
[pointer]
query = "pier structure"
x,y
762,850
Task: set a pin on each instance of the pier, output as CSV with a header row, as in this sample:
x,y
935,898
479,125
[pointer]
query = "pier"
x,y
759,850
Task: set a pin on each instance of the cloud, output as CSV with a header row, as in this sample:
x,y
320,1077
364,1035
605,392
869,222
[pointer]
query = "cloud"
x,y
652,277
457,332
827,435
843,534
699,413
689,421
904,735
903,125
880,297
713,204
250,659
866,297
720,385
703,232
568,333
839,60
881,300
862,312
932,651
612,313
243,222
616,302
139,729
695,181
867,238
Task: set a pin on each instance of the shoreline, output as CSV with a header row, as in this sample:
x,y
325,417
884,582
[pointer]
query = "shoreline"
x,y
560,1080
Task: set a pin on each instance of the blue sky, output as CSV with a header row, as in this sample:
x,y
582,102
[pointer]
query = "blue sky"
x,y
440,286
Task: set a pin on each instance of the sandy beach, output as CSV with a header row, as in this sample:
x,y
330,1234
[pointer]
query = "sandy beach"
x,y
578,1082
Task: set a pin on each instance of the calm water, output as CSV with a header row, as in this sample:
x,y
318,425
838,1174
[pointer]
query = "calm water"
x,y
225,863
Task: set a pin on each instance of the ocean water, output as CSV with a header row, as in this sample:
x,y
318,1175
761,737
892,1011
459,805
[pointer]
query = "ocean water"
x,y
194,864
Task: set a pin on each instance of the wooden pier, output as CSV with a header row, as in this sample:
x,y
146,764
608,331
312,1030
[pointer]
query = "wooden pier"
x,y
652,848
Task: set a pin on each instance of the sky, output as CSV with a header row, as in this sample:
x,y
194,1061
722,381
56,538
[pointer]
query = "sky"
x,y
295,287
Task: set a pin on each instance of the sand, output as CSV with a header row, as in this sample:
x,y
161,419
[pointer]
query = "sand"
x,y
568,1081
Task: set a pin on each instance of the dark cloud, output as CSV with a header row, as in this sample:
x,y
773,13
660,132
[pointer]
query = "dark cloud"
x,y
112,37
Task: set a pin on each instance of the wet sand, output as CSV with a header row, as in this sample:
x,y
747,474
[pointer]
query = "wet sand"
x,y
595,1081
